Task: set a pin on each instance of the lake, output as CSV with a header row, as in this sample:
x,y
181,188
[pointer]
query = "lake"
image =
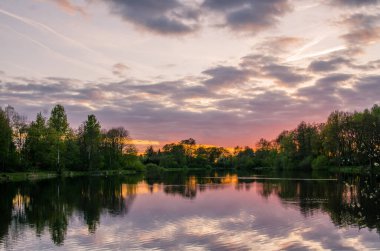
x,y
193,211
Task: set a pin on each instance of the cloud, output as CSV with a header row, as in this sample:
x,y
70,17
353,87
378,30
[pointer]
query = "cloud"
x,y
364,93
363,29
328,65
279,44
202,107
249,16
67,6
177,17
285,75
336,62
353,3
165,17
325,93
119,69
272,68
226,76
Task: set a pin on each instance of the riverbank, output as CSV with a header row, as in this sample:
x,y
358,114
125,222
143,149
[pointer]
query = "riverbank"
x,y
40,175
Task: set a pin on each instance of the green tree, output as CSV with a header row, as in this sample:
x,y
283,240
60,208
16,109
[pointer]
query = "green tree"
x,y
6,144
36,144
90,142
116,143
58,129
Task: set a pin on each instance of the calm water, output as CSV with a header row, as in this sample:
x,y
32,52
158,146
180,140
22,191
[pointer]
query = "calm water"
x,y
203,211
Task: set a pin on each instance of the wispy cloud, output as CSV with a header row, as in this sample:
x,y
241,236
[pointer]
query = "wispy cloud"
x,y
46,28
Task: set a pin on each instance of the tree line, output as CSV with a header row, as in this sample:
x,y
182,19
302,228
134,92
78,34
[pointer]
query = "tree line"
x,y
345,139
50,144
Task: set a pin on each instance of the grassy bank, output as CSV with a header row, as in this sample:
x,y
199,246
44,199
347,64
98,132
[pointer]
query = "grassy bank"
x,y
353,169
40,175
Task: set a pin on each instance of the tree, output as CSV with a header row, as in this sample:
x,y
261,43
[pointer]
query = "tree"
x,y
116,142
36,144
6,144
150,156
58,128
18,125
265,153
90,141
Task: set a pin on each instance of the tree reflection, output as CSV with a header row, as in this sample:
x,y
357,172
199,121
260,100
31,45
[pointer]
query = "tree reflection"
x,y
353,200
50,203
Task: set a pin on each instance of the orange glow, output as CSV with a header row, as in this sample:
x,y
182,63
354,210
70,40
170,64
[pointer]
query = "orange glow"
x,y
144,142
20,201
230,179
140,188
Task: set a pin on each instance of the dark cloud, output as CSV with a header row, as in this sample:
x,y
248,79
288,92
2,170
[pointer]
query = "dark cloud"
x,y
177,17
166,17
249,16
364,93
254,67
328,65
285,75
325,93
335,63
271,68
333,79
172,110
354,3
363,29
226,76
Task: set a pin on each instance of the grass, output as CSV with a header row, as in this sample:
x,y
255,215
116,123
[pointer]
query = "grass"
x,y
353,169
40,175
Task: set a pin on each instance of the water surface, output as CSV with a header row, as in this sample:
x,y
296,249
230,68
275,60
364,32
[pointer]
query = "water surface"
x,y
193,211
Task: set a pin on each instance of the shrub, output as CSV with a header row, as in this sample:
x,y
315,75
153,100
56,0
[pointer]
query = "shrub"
x,y
320,162
153,171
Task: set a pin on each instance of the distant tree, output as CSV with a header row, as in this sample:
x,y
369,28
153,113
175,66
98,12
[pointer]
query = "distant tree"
x,y
150,156
265,153
189,141
174,156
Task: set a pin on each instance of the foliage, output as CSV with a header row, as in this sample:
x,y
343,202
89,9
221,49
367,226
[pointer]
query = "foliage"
x,y
346,139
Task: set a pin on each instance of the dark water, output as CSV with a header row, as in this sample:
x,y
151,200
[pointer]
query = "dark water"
x,y
184,211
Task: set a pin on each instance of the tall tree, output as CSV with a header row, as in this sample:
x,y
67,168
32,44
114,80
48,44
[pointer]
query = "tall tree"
x,y
58,128
90,141
18,125
115,143
6,144
36,144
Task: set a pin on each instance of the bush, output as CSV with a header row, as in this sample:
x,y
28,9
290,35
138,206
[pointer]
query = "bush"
x,y
169,162
135,165
153,171
283,162
305,163
320,162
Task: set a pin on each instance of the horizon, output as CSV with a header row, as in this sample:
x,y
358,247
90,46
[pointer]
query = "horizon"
x,y
176,69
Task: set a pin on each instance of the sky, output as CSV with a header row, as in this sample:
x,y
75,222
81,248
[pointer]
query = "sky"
x,y
220,71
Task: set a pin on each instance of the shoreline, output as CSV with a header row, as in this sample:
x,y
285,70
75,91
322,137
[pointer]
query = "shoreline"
x,y
41,175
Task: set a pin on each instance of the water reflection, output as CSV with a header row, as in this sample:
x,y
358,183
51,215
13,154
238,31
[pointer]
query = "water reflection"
x,y
181,210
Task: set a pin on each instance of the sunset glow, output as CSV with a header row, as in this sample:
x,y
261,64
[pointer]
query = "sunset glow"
x,y
225,73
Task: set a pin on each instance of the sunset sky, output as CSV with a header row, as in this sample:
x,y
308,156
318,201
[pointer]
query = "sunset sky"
x,y
225,72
